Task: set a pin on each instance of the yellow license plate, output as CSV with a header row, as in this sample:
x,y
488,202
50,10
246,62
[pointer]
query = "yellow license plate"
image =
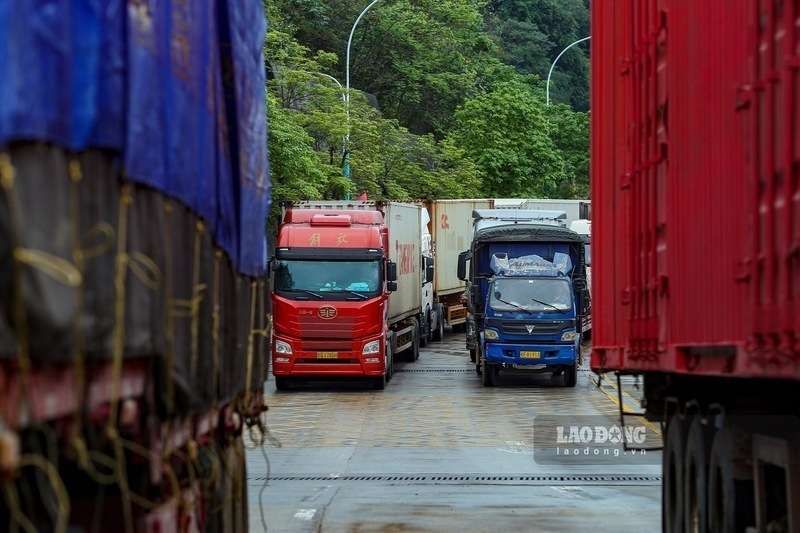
x,y
327,355
530,355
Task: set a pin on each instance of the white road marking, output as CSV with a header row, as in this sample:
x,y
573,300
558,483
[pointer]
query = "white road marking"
x,y
305,514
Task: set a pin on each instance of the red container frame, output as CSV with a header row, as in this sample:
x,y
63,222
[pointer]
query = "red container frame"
x,y
696,187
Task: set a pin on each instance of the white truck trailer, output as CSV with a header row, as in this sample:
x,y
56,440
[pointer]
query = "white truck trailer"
x,y
451,229
575,209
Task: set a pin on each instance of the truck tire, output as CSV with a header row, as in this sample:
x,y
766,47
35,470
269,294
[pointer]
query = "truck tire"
x,y
489,372
379,383
438,333
730,501
571,375
695,510
282,383
425,329
672,488
415,342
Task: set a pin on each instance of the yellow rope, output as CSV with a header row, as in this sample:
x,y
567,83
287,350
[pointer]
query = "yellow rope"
x,y
56,267
119,306
170,327
120,277
119,447
85,458
250,344
215,327
76,176
212,479
229,474
18,518
62,496
197,296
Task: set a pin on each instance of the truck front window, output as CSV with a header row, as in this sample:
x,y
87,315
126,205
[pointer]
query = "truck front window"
x,y
328,276
533,295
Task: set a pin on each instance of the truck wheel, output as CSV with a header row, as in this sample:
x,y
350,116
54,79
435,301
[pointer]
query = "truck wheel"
x,y
730,501
415,342
425,329
694,477
438,333
379,383
489,373
282,383
571,375
672,489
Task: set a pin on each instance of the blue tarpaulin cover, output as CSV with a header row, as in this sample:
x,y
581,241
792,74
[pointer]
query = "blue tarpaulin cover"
x,y
176,86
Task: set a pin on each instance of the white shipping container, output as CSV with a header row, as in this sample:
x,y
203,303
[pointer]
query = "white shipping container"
x,y
451,228
404,222
572,207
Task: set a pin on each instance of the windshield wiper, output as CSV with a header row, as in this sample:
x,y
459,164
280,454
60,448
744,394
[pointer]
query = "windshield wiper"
x,y
362,296
514,305
311,293
547,304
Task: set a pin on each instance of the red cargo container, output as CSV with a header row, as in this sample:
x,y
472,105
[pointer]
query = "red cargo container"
x,y
696,192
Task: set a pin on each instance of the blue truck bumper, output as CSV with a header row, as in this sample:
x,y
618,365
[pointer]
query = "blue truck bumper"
x,y
531,354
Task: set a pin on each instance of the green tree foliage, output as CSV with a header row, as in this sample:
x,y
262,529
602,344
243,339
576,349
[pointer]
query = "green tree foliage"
x,y
533,33
506,133
451,121
570,133
418,57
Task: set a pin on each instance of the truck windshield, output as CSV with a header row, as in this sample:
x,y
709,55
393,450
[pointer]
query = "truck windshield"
x,y
532,295
362,277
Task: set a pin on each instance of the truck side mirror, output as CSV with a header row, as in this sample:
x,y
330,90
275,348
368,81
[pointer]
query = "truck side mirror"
x,y
428,262
272,266
463,257
391,286
391,271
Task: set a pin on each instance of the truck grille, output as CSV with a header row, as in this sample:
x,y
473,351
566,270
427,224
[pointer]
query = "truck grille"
x,y
326,345
337,328
530,327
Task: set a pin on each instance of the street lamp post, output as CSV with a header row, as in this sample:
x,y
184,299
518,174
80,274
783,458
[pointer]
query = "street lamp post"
x,y
344,97
556,60
346,163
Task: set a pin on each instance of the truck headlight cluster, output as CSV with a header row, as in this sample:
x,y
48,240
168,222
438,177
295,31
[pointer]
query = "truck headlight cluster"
x,y
372,347
490,335
568,335
282,347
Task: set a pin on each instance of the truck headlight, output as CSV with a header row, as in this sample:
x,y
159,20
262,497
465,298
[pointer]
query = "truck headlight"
x,y
282,347
372,347
490,335
568,335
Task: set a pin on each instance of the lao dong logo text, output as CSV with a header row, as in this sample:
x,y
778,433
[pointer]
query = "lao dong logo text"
x,y
594,439
601,435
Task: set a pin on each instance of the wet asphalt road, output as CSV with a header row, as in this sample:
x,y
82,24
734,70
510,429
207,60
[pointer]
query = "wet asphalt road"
x,y
436,451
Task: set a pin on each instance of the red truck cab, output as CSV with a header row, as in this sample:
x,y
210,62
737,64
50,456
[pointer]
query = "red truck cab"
x,y
332,278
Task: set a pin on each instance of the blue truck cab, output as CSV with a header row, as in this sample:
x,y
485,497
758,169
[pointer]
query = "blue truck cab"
x,y
527,294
